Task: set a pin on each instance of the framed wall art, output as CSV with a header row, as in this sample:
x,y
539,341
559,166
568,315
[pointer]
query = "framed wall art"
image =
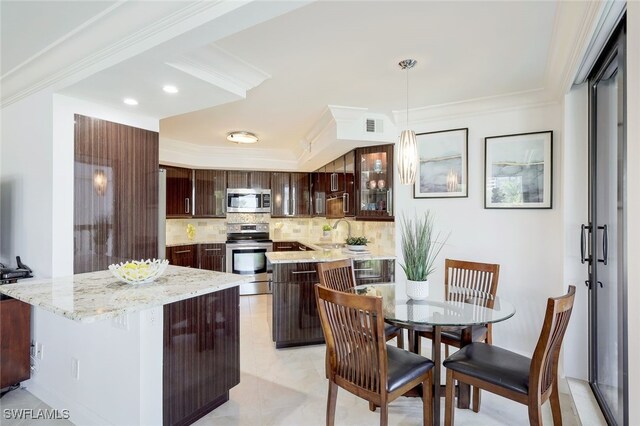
x,y
518,171
443,164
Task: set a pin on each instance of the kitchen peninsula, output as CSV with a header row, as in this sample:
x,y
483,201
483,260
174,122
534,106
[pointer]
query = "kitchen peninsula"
x,y
294,311
166,352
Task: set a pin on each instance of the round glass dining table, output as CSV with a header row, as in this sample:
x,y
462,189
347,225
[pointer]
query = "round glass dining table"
x,y
445,308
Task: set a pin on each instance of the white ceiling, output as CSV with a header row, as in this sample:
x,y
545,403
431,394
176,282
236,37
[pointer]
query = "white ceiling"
x,y
273,67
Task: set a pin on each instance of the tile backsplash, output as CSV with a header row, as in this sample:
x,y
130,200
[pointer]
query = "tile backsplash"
x,y
380,234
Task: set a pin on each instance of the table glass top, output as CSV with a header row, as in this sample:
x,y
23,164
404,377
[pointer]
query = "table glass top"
x,y
457,307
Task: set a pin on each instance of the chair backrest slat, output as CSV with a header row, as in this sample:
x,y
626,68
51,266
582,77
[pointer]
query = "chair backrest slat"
x,y
353,327
474,276
544,364
338,275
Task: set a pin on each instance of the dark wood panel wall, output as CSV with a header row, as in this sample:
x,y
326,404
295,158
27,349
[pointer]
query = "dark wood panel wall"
x,y
201,355
116,194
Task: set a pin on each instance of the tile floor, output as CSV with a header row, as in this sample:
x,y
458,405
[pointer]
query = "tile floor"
x,y
288,387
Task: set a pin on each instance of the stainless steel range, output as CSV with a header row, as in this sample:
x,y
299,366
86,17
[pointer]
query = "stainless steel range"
x,y
247,245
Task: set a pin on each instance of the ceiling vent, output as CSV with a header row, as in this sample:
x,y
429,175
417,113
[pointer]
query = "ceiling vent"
x,y
373,125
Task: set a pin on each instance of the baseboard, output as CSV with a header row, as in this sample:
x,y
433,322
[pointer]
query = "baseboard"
x,y
587,407
79,414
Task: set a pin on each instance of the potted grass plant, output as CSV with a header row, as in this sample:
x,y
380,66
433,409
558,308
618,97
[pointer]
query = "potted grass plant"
x,y
420,248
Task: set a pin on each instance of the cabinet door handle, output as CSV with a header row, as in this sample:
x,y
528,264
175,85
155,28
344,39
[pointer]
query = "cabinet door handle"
x,y
186,205
182,251
212,249
303,272
583,246
605,244
363,270
345,202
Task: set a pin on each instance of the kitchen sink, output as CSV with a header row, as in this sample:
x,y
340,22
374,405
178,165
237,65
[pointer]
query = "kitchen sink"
x,y
329,246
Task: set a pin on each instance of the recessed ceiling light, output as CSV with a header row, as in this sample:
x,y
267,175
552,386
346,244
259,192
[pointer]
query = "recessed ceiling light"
x,y
130,101
242,137
170,89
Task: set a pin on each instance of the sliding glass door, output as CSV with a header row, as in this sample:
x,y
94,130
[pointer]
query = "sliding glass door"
x,y
607,231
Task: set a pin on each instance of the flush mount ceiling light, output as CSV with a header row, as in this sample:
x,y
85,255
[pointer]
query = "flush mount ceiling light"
x,y
242,137
408,146
130,101
170,89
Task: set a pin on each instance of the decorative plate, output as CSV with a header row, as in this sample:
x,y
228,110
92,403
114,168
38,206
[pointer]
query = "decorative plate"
x,y
139,271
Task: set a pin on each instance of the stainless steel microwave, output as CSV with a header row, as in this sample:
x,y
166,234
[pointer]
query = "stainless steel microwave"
x,y
249,200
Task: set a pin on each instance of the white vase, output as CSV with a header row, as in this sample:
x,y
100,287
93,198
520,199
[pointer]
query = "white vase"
x,y
417,290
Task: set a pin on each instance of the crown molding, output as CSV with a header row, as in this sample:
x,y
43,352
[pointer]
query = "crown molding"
x,y
112,37
180,153
573,30
222,69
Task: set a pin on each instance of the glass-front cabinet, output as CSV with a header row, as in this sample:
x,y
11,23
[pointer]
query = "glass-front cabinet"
x,y
374,174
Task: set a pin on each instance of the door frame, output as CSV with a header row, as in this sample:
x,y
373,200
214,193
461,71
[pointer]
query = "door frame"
x,y
615,47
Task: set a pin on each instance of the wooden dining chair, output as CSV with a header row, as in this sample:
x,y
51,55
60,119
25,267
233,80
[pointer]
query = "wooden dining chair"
x,y
360,361
529,381
340,275
474,276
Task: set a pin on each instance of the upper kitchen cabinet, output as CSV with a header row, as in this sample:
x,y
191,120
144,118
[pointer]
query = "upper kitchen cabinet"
x,y
319,192
374,180
290,195
248,179
350,183
210,187
179,191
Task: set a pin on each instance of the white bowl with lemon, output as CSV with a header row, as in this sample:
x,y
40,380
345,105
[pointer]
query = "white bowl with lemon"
x,y
139,271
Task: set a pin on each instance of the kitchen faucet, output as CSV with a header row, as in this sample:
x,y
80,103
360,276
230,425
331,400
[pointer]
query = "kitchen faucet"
x,y
335,225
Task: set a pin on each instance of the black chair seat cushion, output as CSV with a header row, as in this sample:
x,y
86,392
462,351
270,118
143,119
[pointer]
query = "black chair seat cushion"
x,y
493,365
404,366
478,334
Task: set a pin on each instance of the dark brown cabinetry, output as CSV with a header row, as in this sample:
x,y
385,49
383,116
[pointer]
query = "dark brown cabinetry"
x,y
248,179
183,255
319,192
115,204
213,257
210,187
15,338
289,246
201,356
374,183
179,191
337,181
295,315
290,195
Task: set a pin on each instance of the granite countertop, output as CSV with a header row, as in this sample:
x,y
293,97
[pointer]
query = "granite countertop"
x,y
99,295
319,254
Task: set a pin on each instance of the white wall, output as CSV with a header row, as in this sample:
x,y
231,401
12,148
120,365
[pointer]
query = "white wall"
x,y
120,380
526,243
633,211
25,183
575,201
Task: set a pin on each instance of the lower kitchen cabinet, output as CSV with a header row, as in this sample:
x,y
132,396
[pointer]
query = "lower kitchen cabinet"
x,y
285,246
201,356
183,255
15,332
213,257
295,313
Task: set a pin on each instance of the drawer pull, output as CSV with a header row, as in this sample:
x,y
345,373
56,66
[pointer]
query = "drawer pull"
x,y
212,249
303,272
182,251
284,247
363,269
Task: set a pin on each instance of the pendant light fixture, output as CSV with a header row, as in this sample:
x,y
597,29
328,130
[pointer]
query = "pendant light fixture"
x,y
408,146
